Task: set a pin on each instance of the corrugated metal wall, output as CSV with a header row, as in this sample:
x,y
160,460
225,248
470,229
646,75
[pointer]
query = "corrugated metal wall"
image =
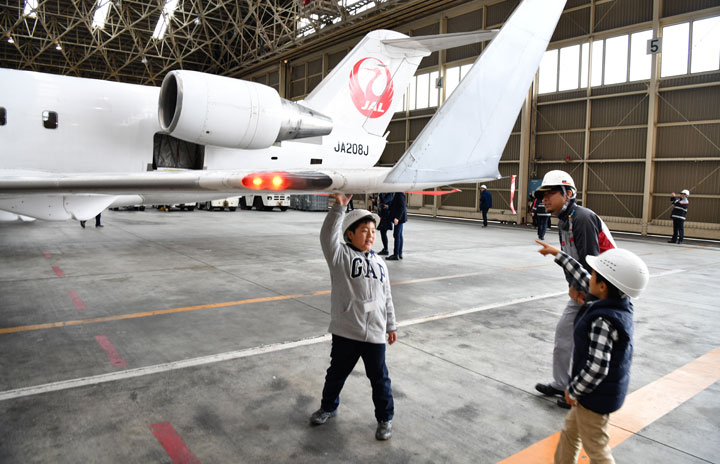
x,y
599,136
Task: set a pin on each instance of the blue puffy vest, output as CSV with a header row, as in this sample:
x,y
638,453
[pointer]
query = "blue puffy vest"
x,y
610,394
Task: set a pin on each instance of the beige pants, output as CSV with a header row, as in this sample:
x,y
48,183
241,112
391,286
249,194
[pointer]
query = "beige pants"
x,y
588,428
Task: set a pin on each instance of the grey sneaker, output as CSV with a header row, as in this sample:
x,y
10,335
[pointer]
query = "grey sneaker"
x,y
384,430
319,417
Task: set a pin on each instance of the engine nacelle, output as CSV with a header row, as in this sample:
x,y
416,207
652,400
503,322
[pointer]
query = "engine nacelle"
x,y
233,113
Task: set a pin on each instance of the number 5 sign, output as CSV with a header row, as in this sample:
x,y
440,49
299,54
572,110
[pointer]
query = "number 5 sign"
x,y
654,46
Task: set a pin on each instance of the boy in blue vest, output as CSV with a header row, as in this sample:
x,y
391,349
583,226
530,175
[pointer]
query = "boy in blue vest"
x,y
603,337
362,315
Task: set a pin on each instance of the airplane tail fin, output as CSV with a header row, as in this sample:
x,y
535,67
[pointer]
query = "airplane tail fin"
x,y
467,135
367,86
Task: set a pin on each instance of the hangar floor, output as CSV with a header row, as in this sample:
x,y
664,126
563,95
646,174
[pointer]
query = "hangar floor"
x,y
199,337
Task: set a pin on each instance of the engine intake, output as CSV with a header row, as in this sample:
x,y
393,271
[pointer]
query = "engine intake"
x,y
233,113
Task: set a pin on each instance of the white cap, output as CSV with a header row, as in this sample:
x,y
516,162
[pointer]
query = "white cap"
x,y
556,178
483,186
622,268
686,192
355,215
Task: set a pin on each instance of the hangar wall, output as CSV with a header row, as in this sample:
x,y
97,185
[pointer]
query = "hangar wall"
x,y
627,145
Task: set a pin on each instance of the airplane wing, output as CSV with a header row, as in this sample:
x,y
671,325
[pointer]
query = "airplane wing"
x,y
81,196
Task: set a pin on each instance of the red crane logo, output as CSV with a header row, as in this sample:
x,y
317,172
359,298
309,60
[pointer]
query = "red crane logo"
x,y
371,87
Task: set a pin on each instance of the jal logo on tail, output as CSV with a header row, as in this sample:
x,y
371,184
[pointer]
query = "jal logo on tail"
x,y
371,87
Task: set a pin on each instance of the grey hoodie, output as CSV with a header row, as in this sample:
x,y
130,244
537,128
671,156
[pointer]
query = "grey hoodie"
x,y
361,305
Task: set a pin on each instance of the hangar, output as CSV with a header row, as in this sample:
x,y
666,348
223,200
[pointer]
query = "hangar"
x,y
164,337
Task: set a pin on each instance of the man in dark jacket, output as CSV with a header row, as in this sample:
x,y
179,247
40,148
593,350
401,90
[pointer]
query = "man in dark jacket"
x,y
386,223
678,215
398,216
485,203
582,234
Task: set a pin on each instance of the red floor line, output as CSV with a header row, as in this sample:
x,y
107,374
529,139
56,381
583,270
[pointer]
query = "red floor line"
x,y
77,301
173,443
47,254
112,354
58,272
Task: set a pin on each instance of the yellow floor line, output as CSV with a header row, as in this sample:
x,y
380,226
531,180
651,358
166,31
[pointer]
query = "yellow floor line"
x,y
642,407
50,325
26,328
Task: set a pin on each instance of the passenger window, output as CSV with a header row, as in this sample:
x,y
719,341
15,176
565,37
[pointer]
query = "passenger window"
x,y
50,119
3,116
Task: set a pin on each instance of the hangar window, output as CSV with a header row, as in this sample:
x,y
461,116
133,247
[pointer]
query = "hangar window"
x,y
453,76
422,92
614,60
3,116
50,119
691,47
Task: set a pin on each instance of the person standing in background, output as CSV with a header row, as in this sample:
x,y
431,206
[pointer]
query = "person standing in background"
x,y
542,217
678,215
398,215
485,202
386,223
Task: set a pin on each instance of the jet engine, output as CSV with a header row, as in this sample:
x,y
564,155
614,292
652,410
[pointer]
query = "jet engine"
x,y
233,113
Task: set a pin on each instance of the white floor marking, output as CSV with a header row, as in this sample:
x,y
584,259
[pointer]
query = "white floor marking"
x,y
175,365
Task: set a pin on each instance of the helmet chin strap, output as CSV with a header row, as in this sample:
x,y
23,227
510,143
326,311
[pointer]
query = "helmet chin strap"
x,y
567,200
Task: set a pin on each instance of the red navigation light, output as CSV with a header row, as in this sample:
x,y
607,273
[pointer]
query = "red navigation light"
x,y
265,181
281,180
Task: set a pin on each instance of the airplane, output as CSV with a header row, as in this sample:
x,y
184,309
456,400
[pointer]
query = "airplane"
x,y
72,147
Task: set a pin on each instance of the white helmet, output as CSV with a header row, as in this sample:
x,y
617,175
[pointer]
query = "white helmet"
x,y
556,178
355,215
622,268
483,186
686,192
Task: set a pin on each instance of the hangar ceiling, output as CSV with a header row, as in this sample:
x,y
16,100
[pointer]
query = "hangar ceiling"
x,y
227,37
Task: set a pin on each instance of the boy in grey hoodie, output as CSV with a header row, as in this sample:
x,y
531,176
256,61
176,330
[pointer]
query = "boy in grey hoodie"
x,y
362,316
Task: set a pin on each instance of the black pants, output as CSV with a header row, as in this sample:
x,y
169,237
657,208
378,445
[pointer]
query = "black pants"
x,y
543,222
384,238
343,357
484,213
678,230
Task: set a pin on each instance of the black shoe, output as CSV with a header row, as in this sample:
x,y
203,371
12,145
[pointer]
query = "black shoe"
x,y
384,430
541,238
548,390
672,241
383,253
82,224
563,404
679,241
400,256
392,258
321,416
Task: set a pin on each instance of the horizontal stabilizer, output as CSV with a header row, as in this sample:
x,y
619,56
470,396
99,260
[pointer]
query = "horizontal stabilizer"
x,y
432,43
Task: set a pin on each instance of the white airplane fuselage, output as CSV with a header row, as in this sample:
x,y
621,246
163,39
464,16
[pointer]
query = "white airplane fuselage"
x,y
109,127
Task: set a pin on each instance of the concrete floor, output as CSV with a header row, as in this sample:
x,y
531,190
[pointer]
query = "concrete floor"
x,y
463,383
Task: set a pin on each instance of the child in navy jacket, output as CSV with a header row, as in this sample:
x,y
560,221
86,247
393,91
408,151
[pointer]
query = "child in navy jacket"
x,y
603,335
